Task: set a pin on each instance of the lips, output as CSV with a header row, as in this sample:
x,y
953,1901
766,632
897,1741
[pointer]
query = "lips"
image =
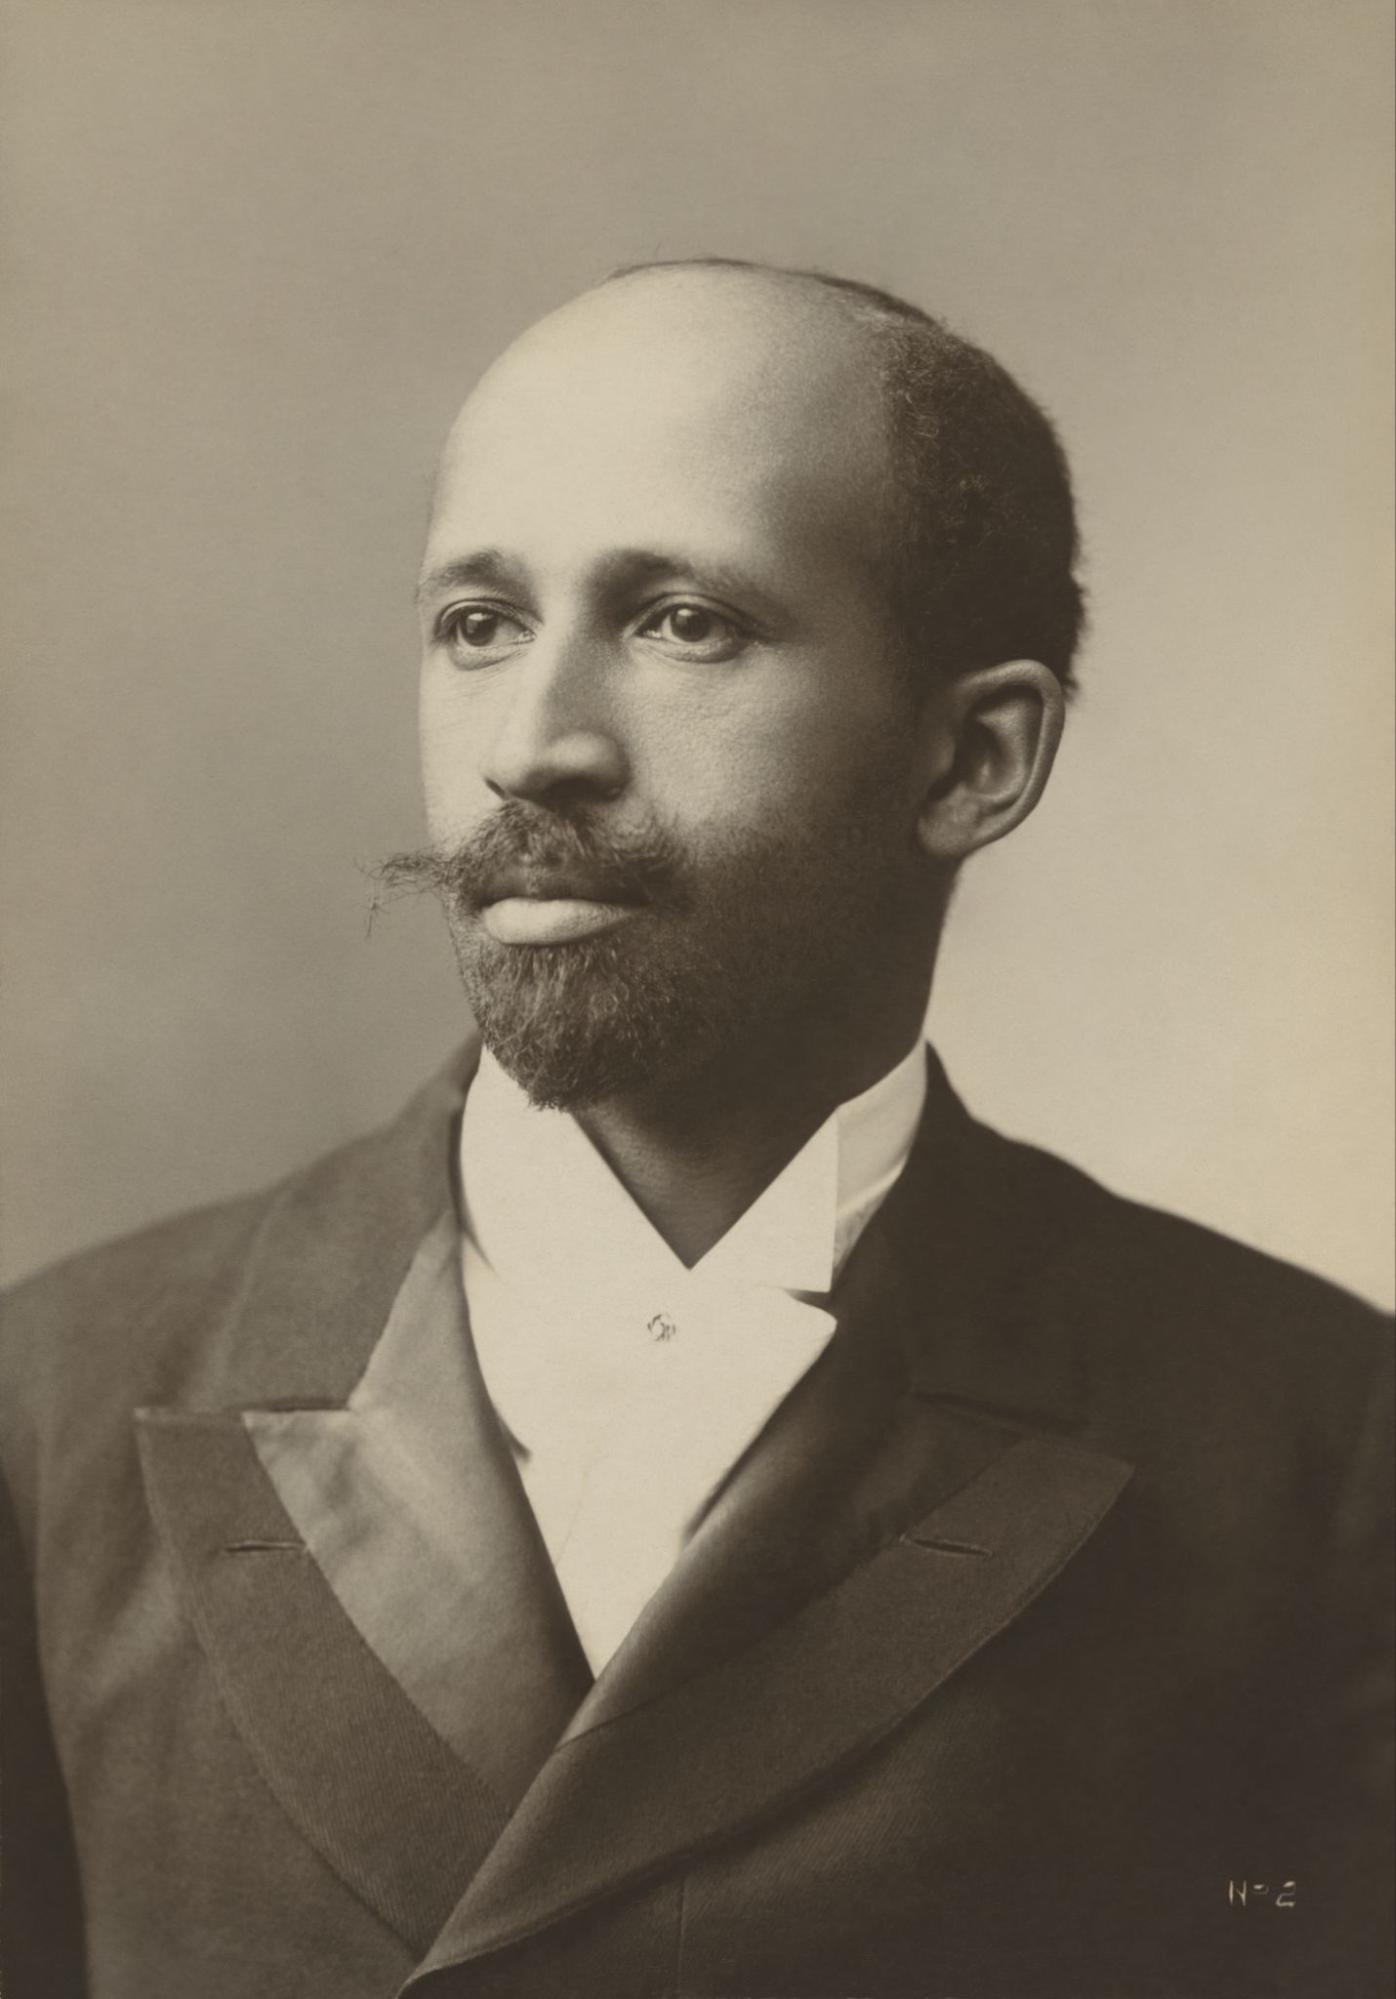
x,y
556,885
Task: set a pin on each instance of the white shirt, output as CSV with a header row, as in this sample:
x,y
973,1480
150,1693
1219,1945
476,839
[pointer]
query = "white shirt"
x,y
629,1382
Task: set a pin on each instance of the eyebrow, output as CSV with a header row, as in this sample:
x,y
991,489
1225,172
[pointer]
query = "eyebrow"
x,y
487,567
492,568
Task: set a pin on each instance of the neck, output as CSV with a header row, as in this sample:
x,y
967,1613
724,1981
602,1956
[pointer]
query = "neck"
x,y
694,1156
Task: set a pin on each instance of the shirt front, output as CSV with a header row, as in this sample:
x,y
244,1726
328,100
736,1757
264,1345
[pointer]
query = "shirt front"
x,y
629,1382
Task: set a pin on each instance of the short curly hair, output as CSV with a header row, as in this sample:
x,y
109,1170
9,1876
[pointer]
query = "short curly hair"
x,y
983,543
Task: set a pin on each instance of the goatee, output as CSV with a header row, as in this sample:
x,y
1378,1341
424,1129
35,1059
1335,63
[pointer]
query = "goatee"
x,y
579,1021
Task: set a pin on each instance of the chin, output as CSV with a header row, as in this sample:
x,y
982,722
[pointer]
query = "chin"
x,y
576,1024
562,1069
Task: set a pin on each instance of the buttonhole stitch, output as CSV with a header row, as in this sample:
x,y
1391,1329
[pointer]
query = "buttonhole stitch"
x,y
942,1547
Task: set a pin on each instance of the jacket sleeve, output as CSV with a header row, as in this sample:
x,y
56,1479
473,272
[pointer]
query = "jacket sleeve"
x,y
1365,1536
1345,1938
41,1932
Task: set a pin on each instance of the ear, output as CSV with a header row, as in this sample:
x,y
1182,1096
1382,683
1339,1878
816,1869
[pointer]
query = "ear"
x,y
990,738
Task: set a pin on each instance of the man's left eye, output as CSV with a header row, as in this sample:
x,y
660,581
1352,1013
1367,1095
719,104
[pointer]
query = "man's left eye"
x,y
695,630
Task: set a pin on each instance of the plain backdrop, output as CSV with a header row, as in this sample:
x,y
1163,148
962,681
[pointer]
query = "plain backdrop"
x,y
254,253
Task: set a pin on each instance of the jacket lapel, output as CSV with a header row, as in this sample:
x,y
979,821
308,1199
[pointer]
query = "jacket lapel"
x,y
913,1495
362,1774
352,1545
410,1505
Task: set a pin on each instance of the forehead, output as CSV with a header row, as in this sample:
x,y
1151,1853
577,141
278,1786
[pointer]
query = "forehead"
x,y
671,405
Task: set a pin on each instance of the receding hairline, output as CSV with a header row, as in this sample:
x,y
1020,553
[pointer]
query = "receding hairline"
x,y
857,299
871,314
824,296
822,325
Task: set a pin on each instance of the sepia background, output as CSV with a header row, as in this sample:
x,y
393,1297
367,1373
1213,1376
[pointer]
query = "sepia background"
x,y
254,253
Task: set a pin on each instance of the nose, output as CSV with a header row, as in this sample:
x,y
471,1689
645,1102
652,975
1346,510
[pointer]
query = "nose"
x,y
557,732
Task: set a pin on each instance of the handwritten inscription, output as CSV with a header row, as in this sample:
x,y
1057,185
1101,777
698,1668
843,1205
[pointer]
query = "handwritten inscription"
x,y
1261,1894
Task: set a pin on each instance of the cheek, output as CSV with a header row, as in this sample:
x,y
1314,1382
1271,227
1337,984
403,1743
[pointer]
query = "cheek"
x,y
783,762
453,789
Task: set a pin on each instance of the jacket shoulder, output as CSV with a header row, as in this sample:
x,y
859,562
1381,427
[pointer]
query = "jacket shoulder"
x,y
123,1315
115,1277
1182,1260
106,1316
1154,1297
165,1314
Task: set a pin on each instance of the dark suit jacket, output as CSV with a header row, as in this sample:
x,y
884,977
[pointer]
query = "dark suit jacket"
x,y
1034,1648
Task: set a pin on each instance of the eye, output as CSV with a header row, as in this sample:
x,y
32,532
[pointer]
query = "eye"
x,y
694,631
475,634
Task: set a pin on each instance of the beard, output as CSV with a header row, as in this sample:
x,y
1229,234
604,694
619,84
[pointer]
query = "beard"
x,y
724,954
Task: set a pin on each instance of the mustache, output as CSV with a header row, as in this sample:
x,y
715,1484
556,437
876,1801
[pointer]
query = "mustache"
x,y
529,849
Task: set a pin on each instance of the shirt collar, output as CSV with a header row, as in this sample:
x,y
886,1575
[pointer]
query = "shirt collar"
x,y
521,1166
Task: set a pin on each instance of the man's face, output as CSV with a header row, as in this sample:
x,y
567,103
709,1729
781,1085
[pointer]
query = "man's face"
x,y
668,759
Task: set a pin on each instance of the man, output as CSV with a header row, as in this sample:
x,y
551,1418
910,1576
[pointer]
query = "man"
x,y
687,1510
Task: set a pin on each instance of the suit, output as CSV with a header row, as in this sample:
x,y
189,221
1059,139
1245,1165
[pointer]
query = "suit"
x,y
1039,1632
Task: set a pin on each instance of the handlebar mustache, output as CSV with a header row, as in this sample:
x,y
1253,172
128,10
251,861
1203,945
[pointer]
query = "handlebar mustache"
x,y
528,850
